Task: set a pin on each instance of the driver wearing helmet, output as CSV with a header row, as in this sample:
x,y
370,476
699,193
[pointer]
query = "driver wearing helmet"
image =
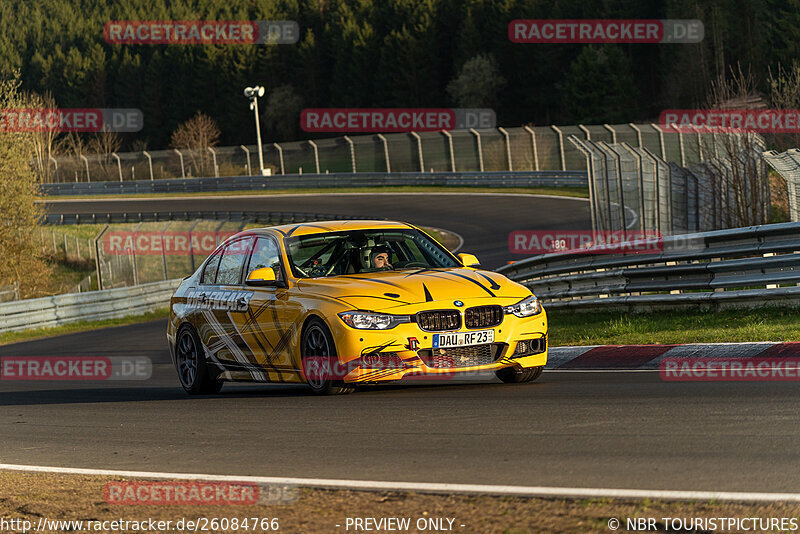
x,y
379,259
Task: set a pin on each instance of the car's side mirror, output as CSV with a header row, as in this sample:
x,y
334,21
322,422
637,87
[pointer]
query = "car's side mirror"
x,y
262,277
469,260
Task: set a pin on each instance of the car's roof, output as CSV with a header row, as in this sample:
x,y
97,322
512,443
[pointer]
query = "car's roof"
x,y
322,227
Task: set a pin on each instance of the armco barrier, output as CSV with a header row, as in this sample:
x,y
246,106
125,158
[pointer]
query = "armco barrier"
x,y
742,267
310,181
267,218
90,306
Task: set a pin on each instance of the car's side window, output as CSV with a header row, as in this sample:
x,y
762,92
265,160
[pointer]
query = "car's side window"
x,y
210,270
230,266
266,254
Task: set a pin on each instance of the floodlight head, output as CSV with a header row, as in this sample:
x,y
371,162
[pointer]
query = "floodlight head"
x,y
253,92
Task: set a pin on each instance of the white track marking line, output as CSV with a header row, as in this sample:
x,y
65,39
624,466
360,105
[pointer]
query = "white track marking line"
x,y
166,197
530,491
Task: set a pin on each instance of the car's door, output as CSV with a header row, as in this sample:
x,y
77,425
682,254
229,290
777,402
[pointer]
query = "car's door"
x,y
223,301
272,315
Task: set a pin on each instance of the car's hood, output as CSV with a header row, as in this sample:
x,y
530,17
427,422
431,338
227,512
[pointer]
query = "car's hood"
x,y
383,290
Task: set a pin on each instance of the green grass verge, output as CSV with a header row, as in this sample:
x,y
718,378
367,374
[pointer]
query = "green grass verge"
x,y
82,326
577,192
620,328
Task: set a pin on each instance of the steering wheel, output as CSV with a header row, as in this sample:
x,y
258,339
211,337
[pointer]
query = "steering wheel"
x,y
318,270
414,264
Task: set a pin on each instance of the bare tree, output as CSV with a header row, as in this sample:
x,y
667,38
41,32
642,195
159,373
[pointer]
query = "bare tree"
x,y
44,137
784,94
739,175
197,135
104,143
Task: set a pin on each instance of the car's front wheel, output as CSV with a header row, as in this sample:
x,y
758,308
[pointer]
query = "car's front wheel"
x,y
190,362
320,360
513,375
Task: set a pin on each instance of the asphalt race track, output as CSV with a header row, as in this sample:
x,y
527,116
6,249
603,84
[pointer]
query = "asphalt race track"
x,y
483,220
569,429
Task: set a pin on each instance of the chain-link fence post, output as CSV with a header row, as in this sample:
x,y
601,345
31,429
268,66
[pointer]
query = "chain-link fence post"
x,y
450,150
352,152
280,156
247,152
533,147
386,152
477,135
640,175
416,136
590,170
214,156
134,264
638,134
183,168
97,256
508,148
149,163
316,154
86,162
560,147
164,250
119,164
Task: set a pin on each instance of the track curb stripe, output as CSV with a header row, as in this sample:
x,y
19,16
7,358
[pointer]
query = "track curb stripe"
x,y
617,357
428,487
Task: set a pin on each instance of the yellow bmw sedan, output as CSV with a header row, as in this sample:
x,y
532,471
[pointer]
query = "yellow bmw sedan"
x,y
342,303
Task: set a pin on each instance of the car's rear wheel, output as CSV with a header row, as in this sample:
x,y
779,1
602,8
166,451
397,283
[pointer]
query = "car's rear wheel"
x,y
319,360
513,375
190,362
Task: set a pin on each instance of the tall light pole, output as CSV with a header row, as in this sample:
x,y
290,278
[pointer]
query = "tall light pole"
x,y
253,93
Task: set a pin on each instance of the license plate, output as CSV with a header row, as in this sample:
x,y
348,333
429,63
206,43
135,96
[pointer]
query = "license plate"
x,y
460,339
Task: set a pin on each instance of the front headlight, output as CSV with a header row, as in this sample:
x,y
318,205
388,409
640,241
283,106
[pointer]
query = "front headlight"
x,y
372,321
525,308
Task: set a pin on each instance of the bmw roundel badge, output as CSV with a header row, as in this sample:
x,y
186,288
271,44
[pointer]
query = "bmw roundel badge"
x,y
458,303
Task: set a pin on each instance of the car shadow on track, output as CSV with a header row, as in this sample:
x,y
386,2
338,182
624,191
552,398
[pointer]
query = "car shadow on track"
x,y
88,395
40,395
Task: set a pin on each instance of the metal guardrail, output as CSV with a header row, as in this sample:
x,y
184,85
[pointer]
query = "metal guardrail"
x,y
271,218
92,306
743,267
309,181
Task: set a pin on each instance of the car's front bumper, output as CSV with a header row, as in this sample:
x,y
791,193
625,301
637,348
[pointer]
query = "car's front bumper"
x,y
410,363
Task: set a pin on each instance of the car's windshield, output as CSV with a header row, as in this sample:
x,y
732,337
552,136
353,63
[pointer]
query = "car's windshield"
x,y
364,251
